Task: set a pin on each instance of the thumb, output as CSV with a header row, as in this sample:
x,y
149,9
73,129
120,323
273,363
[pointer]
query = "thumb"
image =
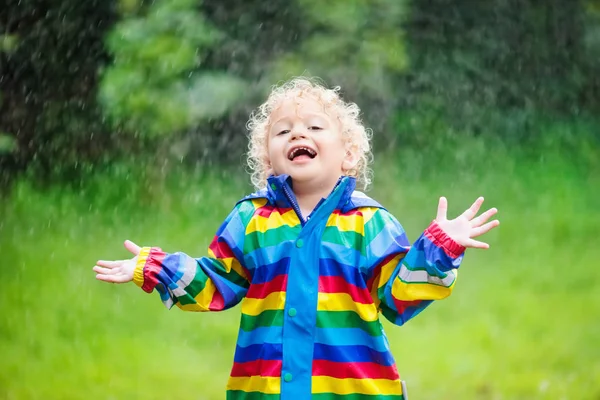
x,y
132,247
442,212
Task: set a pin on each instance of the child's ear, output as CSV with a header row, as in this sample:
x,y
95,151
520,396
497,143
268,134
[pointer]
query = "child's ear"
x,y
351,159
269,169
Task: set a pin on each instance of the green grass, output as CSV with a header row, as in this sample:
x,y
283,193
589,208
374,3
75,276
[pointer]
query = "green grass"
x,y
522,324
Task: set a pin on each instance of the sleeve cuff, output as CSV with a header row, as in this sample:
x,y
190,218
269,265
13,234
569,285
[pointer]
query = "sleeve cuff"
x,y
442,240
138,272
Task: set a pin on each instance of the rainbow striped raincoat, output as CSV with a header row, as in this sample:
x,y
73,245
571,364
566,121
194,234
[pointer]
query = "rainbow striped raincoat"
x,y
311,291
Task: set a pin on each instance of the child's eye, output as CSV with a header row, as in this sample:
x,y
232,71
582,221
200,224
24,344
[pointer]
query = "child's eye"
x,y
284,132
315,128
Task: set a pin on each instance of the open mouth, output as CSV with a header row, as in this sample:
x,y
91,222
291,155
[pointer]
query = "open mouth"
x,y
301,153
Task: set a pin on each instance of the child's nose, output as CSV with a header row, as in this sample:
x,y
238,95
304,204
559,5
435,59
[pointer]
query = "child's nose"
x,y
298,134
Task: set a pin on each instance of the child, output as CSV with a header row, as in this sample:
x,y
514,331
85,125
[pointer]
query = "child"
x,y
312,260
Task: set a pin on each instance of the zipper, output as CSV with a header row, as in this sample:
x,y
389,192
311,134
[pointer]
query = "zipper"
x,y
295,206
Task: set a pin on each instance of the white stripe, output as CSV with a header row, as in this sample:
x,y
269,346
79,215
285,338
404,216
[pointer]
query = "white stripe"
x,y
421,276
168,303
189,272
179,292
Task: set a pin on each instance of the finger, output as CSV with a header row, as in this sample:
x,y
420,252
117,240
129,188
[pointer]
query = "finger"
x,y
132,247
111,278
484,228
109,264
475,244
472,211
475,222
105,271
442,211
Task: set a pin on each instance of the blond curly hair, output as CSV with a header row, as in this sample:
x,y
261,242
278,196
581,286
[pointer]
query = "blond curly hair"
x,y
353,131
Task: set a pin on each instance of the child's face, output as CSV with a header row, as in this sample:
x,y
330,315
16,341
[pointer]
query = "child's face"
x,y
306,143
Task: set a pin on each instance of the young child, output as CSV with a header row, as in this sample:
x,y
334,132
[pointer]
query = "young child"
x,y
312,260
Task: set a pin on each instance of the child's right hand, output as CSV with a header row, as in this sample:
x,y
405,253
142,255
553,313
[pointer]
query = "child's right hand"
x,y
120,271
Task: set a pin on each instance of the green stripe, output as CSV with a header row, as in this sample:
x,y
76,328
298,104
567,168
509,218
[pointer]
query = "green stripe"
x,y
351,239
376,224
241,395
356,396
347,319
271,237
391,314
231,276
195,287
265,318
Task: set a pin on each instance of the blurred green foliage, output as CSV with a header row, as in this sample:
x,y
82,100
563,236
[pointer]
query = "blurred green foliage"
x,y
153,86
87,83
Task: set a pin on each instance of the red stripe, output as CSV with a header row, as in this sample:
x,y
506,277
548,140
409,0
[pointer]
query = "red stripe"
x,y
402,305
221,248
337,284
350,213
152,268
266,211
439,238
262,290
377,271
356,370
257,367
217,303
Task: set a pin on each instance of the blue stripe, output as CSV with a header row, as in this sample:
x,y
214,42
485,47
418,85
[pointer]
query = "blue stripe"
x,y
351,274
343,255
352,354
223,286
263,351
429,256
350,337
383,245
411,312
269,255
268,334
266,273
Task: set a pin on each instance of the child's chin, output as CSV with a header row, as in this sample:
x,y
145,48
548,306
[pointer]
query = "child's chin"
x,y
301,178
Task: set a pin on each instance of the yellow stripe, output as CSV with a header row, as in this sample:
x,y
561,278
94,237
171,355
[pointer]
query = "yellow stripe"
x,y
343,302
388,269
230,263
353,223
274,301
275,220
419,291
257,203
263,384
326,384
368,213
203,299
138,272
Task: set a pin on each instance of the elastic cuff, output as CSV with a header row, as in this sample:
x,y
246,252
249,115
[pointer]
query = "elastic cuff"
x,y
436,234
138,272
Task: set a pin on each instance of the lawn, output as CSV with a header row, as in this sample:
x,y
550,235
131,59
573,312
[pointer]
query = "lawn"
x,y
523,322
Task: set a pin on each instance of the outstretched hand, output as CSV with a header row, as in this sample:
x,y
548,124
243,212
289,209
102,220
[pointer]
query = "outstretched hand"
x,y
119,271
466,226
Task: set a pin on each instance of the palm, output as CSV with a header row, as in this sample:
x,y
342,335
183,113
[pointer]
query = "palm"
x,y
466,226
119,271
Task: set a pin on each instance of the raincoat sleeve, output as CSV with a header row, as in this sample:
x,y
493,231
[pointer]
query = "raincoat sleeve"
x,y
213,283
405,279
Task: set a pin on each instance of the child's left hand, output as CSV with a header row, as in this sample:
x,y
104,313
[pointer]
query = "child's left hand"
x,y
465,227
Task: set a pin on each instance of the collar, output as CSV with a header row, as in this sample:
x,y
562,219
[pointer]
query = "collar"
x,y
277,185
279,189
